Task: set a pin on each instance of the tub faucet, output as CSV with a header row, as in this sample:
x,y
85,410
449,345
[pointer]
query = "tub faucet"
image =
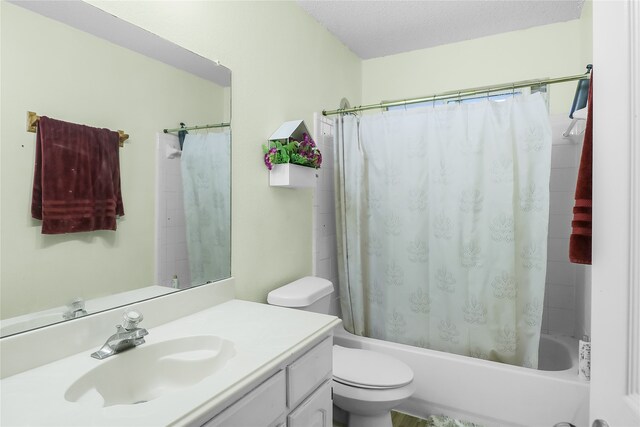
x,y
75,309
127,336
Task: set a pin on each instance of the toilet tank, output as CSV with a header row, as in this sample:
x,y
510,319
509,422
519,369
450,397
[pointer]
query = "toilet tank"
x,y
309,294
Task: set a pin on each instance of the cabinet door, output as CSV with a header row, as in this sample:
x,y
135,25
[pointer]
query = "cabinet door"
x,y
316,411
308,372
260,408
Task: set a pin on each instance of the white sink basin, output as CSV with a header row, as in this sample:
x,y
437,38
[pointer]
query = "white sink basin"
x,y
147,372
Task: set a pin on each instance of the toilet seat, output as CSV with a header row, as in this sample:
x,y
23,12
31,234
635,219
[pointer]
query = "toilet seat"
x,y
368,369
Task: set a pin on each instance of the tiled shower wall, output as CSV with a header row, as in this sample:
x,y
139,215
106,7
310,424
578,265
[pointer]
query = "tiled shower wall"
x,y
566,305
567,287
325,262
171,233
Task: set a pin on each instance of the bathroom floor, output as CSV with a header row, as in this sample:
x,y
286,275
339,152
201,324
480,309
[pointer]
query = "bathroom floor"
x,y
400,419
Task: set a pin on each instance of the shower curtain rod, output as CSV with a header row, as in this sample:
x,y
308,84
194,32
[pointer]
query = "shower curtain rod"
x,y
217,125
462,93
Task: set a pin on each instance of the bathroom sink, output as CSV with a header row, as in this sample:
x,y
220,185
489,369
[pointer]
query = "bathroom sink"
x,y
149,371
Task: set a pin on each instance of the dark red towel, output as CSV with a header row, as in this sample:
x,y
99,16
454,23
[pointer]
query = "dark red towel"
x,y
580,243
76,185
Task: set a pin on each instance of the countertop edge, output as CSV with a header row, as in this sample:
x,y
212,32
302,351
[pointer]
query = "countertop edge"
x,y
202,414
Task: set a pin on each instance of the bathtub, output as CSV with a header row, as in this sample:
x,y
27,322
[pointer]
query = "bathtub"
x,y
490,393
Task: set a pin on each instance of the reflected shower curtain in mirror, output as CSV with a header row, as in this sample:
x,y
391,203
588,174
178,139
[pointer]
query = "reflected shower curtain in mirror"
x,y
206,172
442,217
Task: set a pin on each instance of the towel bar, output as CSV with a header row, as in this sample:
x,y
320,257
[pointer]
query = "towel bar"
x,y
32,123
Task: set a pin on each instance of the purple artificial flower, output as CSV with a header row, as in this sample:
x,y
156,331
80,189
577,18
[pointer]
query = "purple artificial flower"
x,y
318,159
308,141
268,160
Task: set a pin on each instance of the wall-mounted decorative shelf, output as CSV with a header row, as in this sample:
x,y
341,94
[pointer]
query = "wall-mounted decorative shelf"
x,y
288,175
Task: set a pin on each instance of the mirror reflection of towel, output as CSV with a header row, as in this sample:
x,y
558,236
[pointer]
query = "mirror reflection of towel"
x,y
181,135
76,185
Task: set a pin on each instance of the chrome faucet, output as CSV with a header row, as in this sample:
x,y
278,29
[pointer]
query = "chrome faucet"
x,y
127,336
75,309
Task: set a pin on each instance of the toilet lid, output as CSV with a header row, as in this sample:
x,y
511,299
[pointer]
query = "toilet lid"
x,y
369,369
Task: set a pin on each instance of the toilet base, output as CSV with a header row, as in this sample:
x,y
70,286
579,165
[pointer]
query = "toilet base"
x,y
369,407
380,420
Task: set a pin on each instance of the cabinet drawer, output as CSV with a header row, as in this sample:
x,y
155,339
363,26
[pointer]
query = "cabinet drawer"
x,y
308,372
260,408
316,411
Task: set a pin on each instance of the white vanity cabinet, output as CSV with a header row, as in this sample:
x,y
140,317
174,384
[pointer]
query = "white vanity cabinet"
x,y
278,376
298,395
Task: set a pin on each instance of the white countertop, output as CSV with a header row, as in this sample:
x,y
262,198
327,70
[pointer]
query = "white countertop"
x,y
264,337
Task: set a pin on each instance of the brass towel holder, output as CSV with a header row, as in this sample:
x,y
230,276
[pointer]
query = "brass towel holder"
x,y
32,123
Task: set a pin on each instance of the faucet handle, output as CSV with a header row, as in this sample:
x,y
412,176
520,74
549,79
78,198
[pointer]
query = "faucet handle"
x,y
131,319
76,304
75,309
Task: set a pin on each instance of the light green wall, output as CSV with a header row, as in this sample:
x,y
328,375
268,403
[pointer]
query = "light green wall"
x,y
285,66
553,50
54,70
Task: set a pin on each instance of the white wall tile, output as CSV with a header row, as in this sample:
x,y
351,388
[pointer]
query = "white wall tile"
x,y
174,200
558,250
547,287
560,273
327,181
563,179
176,235
327,202
560,225
561,202
175,218
561,321
184,274
324,247
181,252
334,305
173,169
173,184
562,297
563,156
545,322
324,269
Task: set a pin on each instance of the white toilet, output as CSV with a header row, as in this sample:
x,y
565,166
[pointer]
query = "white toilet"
x,y
366,384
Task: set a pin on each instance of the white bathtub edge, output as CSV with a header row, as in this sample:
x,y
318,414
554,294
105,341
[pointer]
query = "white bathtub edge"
x,y
521,396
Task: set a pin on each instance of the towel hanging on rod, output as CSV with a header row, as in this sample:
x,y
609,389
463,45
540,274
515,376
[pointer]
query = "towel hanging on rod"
x,y
76,184
33,118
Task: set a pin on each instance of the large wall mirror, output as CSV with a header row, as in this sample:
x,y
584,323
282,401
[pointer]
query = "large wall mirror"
x,y
73,62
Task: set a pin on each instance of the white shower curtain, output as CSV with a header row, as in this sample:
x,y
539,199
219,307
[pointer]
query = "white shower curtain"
x,y
442,226
206,168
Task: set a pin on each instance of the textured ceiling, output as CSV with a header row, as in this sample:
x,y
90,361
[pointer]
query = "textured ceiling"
x,y
378,28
